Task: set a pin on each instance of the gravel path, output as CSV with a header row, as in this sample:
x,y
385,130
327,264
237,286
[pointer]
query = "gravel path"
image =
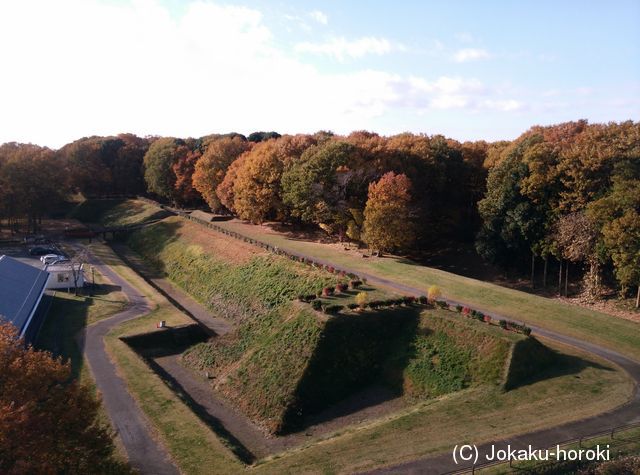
x,y
146,454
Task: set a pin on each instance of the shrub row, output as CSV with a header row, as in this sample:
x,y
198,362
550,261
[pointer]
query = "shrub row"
x,y
504,324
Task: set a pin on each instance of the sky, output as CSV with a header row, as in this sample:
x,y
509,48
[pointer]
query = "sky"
x,y
466,69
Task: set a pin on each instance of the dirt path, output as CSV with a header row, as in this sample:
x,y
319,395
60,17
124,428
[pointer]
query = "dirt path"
x,y
145,453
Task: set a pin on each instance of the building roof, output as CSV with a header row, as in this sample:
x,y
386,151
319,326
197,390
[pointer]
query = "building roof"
x,y
21,288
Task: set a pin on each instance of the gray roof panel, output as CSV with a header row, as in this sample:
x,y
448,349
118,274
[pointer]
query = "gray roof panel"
x,y
21,287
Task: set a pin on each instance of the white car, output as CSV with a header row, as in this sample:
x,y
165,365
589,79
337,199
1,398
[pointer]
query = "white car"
x,y
51,259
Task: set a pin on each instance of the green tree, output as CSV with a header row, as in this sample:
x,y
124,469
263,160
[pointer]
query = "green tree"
x,y
158,163
313,188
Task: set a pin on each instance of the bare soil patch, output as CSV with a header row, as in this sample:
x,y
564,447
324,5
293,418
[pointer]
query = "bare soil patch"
x,y
216,244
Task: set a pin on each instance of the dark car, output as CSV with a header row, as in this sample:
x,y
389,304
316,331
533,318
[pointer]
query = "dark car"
x,y
41,251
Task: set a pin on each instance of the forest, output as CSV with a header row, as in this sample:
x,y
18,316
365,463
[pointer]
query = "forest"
x,y
556,196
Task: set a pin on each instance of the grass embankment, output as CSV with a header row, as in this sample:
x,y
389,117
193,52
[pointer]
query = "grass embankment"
x,y
194,447
285,361
474,415
117,212
596,327
240,283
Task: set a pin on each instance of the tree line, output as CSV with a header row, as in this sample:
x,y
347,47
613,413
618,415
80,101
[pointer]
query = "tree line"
x,y
558,196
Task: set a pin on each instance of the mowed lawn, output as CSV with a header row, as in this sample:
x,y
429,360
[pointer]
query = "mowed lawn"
x,y
615,333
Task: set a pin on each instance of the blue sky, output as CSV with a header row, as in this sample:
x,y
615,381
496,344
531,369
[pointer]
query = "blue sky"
x,y
468,70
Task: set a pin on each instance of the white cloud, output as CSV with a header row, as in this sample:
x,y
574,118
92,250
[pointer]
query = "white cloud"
x,y
341,48
319,16
85,67
470,54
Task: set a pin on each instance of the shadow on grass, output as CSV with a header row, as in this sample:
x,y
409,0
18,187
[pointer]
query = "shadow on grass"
x,y
560,364
201,412
66,318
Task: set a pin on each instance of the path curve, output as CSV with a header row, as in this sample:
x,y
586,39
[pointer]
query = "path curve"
x,y
146,454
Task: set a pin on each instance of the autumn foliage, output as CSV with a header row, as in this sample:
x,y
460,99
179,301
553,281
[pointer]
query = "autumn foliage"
x,y
387,224
48,424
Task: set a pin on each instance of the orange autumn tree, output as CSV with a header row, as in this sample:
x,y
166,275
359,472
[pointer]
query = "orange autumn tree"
x,y
48,424
211,168
387,224
183,191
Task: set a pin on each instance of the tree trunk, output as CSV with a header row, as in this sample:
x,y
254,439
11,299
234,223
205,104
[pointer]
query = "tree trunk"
x,y
533,270
638,298
544,272
560,279
566,280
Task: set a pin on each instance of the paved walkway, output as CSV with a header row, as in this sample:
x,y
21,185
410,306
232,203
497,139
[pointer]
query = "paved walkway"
x,y
146,454
177,296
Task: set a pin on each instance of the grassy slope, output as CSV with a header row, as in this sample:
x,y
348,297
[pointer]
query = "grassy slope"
x,y
116,212
233,290
474,415
618,334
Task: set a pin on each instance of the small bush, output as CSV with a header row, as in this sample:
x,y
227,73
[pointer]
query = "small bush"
x,y
434,293
332,308
503,324
316,304
330,269
341,287
361,299
354,284
442,304
423,300
487,319
327,291
353,306
408,300
459,308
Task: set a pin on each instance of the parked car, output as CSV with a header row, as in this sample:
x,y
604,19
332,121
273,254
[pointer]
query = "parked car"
x,y
41,251
52,258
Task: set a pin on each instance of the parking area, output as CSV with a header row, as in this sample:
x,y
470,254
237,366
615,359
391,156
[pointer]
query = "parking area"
x,y
21,253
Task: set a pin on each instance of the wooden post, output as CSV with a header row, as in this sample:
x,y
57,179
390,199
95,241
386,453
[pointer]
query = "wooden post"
x,y
533,270
566,280
560,279
544,272
638,297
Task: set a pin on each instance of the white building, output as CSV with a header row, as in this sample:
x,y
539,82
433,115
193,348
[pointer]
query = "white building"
x,y
65,276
